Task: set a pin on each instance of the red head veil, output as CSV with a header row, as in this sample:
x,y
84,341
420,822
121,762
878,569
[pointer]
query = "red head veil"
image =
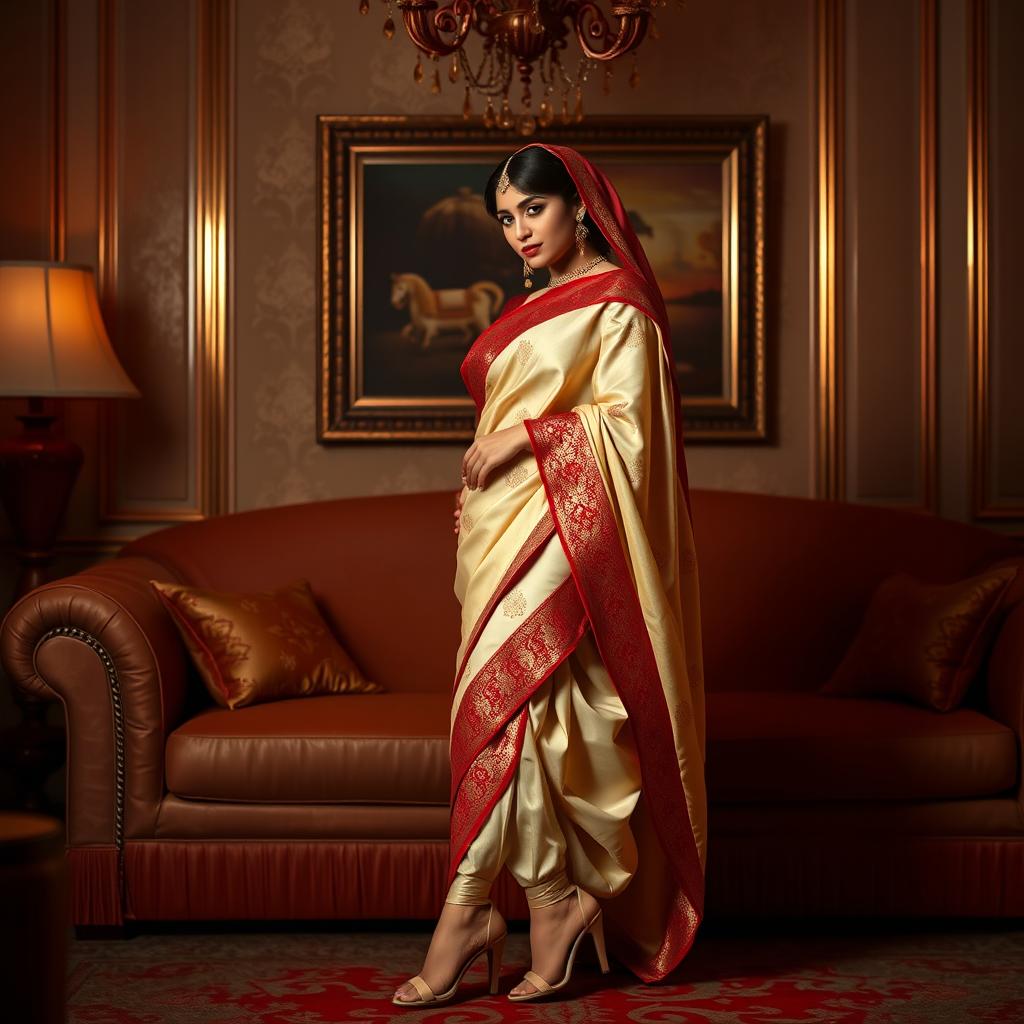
x,y
606,210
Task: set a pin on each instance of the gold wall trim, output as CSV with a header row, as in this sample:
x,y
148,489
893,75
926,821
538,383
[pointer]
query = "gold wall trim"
x,y
58,129
829,461
978,336
106,256
830,339
927,134
211,285
977,247
215,153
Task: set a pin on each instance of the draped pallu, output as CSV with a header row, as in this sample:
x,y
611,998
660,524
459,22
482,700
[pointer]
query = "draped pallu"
x,y
590,529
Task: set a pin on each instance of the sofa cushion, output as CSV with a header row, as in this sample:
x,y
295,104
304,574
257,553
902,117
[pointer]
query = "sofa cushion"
x,y
785,745
923,641
775,745
259,646
365,748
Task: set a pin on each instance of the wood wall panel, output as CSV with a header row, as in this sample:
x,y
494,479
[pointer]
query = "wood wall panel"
x,y
30,155
28,69
889,172
995,211
165,133
146,60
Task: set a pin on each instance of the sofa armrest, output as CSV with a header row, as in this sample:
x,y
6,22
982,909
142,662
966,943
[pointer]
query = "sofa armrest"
x,y
101,643
1005,684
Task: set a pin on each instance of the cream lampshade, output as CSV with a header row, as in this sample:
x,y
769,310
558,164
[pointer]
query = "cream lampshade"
x,y
52,338
53,344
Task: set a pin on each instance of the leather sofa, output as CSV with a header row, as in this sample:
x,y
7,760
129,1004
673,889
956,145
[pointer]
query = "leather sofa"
x,y
336,806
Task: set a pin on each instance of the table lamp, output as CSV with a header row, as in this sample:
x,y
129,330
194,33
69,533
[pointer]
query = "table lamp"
x,y
52,344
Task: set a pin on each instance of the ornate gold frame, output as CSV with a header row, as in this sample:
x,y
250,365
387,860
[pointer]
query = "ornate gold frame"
x,y
343,415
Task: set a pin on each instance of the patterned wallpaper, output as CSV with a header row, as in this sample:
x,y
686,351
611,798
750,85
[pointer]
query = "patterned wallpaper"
x,y
306,57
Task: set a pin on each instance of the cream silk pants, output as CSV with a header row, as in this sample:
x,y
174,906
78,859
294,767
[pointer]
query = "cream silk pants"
x,y
564,816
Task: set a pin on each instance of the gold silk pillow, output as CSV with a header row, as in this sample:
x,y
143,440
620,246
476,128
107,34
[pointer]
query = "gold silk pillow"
x,y
253,648
922,641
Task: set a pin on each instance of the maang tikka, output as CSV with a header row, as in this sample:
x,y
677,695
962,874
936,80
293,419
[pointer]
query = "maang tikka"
x,y
503,179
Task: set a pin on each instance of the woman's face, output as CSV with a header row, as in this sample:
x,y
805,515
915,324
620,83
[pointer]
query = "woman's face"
x,y
539,228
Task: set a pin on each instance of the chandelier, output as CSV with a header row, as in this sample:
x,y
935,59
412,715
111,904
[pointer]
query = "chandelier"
x,y
524,38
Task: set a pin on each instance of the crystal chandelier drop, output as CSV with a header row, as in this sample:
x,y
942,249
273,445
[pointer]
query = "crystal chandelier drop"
x,y
523,37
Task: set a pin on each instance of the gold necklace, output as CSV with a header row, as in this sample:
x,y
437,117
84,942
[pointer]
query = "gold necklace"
x,y
575,273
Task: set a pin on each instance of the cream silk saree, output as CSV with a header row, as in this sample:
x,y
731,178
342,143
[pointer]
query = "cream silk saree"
x,y
588,537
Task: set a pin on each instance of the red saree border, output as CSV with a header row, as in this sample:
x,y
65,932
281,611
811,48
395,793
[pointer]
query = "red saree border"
x,y
538,535
493,769
512,673
484,753
620,285
587,528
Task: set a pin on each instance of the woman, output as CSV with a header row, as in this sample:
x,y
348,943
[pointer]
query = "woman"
x,y
577,728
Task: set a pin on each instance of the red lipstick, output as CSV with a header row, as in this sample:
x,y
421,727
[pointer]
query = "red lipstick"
x,y
529,250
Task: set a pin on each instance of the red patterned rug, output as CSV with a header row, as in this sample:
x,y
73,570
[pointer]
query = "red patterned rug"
x,y
847,972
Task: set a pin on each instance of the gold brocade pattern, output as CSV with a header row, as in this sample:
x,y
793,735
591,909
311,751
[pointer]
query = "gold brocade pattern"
x,y
587,523
635,467
524,352
487,734
586,820
608,226
637,337
602,408
259,647
534,543
516,475
514,605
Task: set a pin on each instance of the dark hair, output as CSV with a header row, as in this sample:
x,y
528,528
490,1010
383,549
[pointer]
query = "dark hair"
x,y
536,170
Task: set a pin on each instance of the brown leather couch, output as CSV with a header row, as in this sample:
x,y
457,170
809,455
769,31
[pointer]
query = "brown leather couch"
x,y
336,806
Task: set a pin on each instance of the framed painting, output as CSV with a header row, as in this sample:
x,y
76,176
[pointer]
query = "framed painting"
x,y
412,268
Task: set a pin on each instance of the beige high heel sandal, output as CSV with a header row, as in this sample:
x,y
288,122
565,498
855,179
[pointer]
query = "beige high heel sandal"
x,y
495,950
596,929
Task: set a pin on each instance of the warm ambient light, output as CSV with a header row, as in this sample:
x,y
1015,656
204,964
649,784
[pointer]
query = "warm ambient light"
x,y
52,338
524,40
52,345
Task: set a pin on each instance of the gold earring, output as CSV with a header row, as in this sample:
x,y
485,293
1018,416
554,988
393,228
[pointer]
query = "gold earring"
x,y
527,274
581,230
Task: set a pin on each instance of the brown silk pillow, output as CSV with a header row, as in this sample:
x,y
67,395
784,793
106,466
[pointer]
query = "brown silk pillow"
x,y
253,648
922,641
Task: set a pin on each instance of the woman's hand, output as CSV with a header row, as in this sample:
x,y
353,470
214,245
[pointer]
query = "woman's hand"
x,y
460,499
486,453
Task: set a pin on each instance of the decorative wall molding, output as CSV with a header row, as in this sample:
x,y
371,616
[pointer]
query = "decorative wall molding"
x,y
214,231
830,299
977,249
206,339
928,220
827,225
978,334
58,130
